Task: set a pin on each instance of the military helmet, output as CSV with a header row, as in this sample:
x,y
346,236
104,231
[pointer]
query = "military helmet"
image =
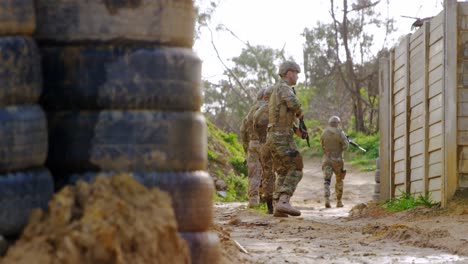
x,y
287,66
260,94
334,119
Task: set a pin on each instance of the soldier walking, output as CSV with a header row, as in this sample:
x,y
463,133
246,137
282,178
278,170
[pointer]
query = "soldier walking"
x,y
283,109
334,142
251,144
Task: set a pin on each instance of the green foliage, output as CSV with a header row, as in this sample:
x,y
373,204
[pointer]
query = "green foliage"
x,y
261,208
369,142
239,165
212,156
408,201
237,188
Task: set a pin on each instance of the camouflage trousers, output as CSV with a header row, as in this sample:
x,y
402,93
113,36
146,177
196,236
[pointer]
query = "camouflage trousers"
x,y
287,161
268,175
329,167
254,169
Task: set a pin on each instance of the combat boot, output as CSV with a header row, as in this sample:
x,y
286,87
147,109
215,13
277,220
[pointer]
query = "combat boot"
x,y
339,203
275,212
285,207
327,202
269,203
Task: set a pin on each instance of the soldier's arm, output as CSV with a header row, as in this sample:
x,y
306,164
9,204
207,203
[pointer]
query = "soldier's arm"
x,y
344,140
292,102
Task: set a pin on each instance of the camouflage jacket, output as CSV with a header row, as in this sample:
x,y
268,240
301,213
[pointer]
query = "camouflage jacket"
x,y
283,106
334,142
260,122
246,129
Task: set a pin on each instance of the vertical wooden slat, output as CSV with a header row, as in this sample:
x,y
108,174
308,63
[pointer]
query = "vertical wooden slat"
x,y
408,117
385,127
450,101
426,52
391,169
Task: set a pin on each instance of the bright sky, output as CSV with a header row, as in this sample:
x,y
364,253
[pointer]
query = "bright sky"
x,y
278,23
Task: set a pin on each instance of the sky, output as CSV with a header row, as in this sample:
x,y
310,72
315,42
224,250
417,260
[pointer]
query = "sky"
x,y
279,23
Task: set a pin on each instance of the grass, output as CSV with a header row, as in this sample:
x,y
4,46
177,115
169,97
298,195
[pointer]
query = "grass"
x,y
236,191
409,201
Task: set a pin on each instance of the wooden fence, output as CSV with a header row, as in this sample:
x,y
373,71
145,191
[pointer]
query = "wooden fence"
x,y
424,109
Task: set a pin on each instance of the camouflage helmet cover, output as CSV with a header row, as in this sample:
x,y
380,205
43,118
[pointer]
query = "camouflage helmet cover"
x,y
334,119
288,65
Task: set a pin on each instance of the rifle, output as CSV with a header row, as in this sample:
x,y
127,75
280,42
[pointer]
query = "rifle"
x,y
355,144
303,128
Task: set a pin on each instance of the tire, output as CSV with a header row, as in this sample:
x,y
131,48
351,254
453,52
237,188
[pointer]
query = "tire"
x,y
20,193
377,188
204,247
165,22
121,77
20,70
126,141
377,176
17,17
191,194
23,138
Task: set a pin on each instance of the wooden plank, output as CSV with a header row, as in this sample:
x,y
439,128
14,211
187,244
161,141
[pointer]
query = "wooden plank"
x,y
400,74
463,8
435,157
435,170
417,161
416,123
399,97
400,120
416,136
462,123
462,95
416,38
399,85
416,58
435,116
462,138
399,166
417,72
436,21
425,154
400,108
462,109
436,196
401,49
450,100
436,48
436,60
400,178
417,98
417,111
435,130
417,174
435,102
417,85
399,154
416,149
435,142
435,183
435,88
391,174
399,131
436,74
400,188
417,186
463,74
399,143
437,33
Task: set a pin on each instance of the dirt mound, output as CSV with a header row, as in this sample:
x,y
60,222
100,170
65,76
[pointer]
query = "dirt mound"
x,y
231,254
112,220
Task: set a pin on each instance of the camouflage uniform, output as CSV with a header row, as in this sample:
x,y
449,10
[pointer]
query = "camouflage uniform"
x,y
251,144
334,142
260,129
287,161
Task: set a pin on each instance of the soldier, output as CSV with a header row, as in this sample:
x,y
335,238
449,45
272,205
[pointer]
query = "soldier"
x,y
251,145
260,123
334,142
283,109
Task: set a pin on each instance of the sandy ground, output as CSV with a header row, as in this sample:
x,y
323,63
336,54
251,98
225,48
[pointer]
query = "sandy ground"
x,y
335,235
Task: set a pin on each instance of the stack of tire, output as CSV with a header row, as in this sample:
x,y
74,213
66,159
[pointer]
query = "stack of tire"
x,y
123,95
376,195
25,184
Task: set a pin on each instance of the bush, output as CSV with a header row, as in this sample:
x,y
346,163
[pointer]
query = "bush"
x,y
237,188
408,201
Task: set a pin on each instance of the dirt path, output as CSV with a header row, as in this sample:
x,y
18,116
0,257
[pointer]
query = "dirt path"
x,y
322,235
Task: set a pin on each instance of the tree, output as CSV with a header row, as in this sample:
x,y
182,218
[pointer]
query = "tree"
x,y
344,53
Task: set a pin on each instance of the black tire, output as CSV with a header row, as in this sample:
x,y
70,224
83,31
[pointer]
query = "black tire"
x,y
20,70
23,138
17,17
20,193
191,194
204,247
166,22
377,176
126,141
121,77
377,188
